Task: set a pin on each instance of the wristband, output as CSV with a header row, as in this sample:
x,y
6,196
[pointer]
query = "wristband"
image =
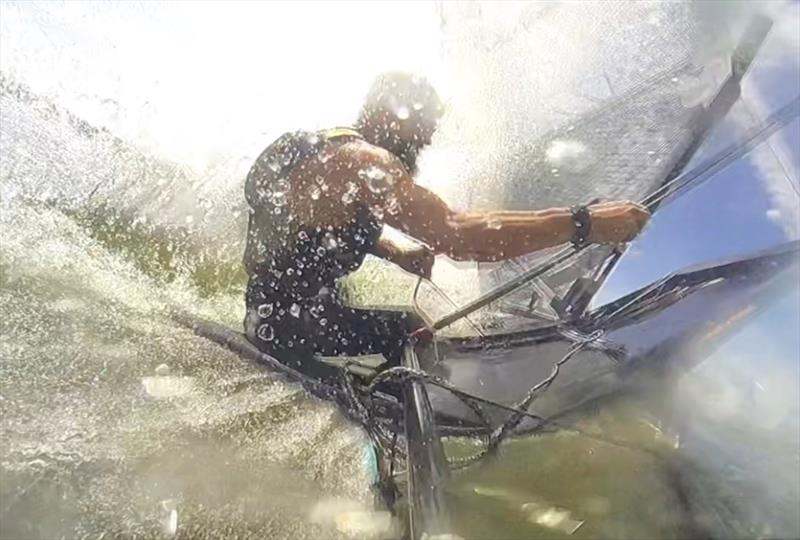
x,y
582,225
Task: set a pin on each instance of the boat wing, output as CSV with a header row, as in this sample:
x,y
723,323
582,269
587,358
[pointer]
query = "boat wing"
x,y
668,326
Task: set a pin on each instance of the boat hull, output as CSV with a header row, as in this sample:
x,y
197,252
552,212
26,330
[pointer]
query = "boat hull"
x,y
657,332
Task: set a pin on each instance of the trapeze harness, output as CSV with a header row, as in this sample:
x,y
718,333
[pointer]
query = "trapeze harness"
x,y
291,299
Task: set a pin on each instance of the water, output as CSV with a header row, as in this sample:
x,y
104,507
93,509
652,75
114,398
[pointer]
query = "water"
x,y
117,422
109,408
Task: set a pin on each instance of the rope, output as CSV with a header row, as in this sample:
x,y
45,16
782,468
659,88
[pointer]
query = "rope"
x,y
401,374
579,342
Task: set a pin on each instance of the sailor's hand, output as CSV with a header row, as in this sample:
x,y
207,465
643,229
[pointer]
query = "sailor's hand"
x,y
616,222
417,260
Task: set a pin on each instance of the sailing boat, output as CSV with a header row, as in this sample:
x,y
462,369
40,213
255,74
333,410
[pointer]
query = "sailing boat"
x,y
537,353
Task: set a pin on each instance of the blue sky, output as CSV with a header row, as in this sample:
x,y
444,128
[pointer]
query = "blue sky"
x,y
735,213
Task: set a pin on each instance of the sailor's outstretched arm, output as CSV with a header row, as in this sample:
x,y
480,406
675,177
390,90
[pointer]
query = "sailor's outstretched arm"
x,y
479,236
494,236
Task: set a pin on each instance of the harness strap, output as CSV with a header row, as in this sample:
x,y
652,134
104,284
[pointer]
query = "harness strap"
x,y
340,132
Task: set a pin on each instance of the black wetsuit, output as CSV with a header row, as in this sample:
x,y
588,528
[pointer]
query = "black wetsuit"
x,y
293,310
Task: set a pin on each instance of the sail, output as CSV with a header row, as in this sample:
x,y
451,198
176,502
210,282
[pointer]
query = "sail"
x,y
624,148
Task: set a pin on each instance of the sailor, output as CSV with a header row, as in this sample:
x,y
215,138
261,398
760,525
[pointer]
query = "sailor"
x,y
319,201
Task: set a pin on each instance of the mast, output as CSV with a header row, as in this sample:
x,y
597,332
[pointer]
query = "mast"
x,y
427,468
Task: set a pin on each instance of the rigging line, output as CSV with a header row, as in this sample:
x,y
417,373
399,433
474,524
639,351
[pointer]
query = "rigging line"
x,y
774,153
420,311
784,170
635,299
400,373
612,441
510,286
579,342
707,169
502,431
723,158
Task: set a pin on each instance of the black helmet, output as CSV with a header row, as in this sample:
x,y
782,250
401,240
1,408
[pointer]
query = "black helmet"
x,y
400,96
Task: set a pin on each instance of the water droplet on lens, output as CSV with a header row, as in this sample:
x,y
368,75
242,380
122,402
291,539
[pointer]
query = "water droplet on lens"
x,y
314,192
265,310
294,311
403,113
278,198
170,520
162,370
569,155
303,236
274,165
494,223
392,206
350,195
377,180
329,242
265,332
323,321
418,106
279,191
